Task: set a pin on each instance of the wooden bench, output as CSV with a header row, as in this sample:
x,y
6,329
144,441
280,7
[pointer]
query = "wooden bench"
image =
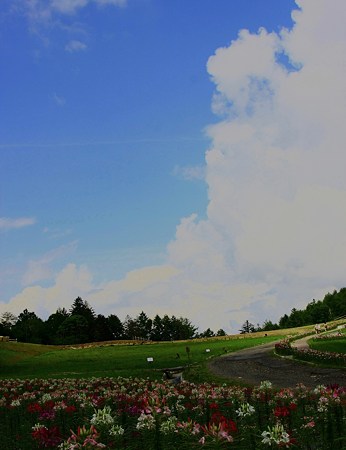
x,y
173,374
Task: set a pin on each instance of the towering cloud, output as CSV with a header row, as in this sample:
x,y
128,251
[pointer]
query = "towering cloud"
x,y
274,237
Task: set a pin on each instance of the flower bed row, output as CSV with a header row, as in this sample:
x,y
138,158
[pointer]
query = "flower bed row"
x,y
285,348
131,413
330,336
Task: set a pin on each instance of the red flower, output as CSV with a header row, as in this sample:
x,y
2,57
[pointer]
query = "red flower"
x,y
214,406
34,407
227,424
232,426
49,404
217,417
281,411
70,409
47,437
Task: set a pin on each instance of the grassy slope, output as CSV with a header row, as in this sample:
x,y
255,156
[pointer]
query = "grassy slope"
x,y
19,360
29,360
12,353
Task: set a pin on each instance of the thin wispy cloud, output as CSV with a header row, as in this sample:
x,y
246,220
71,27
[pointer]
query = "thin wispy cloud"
x,y
54,233
72,6
75,46
7,223
46,18
58,99
43,268
44,11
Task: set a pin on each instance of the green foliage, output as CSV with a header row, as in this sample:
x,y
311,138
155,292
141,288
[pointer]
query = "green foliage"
x,y
157,329
29,327
221,332
102,329
137,328
73,330
52,325
269,325
116,327
207,333
82,308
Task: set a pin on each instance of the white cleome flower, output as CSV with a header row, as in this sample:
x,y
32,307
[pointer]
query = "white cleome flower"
x,y
245,410
145,422
102,417
275,435
266,385
116,430
169,425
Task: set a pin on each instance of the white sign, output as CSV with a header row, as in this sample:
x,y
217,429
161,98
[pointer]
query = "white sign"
x,y
207,350
150,359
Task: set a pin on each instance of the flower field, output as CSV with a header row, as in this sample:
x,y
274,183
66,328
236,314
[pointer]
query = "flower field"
x,y
133,413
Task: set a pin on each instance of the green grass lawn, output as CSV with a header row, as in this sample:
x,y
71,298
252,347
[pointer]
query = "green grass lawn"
x,y
38,361
335,345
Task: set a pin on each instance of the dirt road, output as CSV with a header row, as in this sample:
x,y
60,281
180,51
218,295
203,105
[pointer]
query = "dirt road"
x,y
257,364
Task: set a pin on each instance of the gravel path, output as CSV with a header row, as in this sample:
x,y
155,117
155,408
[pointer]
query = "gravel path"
x,y
253,365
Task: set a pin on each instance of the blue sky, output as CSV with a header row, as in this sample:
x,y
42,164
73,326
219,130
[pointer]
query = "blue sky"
x,y
114,117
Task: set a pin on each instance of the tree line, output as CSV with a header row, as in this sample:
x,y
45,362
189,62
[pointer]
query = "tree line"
x,y
332,307
80,324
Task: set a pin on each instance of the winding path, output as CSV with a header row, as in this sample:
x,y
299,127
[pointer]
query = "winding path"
x,y
256,364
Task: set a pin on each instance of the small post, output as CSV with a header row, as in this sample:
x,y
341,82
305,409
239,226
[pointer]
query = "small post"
x,y
188,352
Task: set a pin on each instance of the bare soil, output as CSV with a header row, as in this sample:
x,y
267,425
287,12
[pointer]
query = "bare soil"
x,y
253,365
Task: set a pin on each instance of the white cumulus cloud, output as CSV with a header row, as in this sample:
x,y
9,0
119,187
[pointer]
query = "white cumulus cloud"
x,y
274,234
70,283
